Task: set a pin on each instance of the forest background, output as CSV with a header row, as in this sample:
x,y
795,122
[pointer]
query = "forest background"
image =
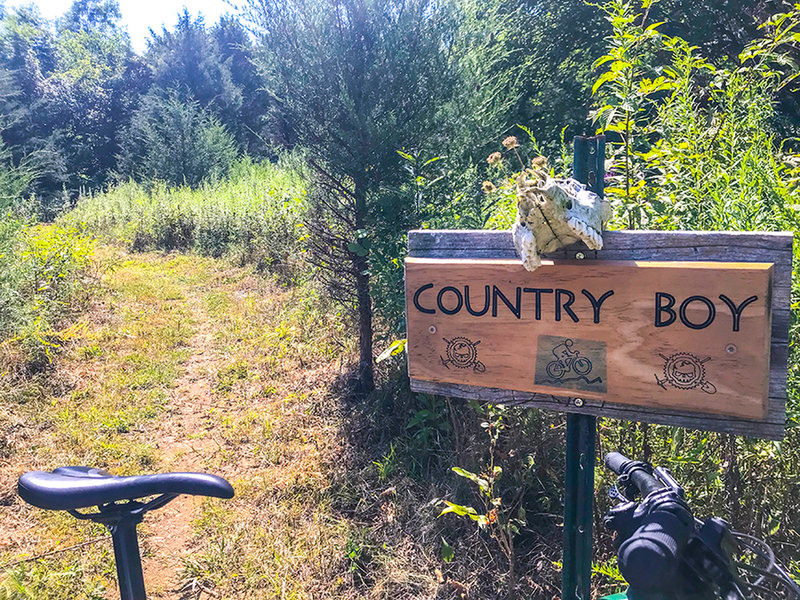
x,y
305,138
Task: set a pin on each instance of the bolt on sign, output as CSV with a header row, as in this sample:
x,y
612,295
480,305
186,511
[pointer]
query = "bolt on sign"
x,y
680,328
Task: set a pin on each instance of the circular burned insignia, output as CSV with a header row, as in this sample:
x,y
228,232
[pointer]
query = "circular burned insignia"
x,y
462,353
686,371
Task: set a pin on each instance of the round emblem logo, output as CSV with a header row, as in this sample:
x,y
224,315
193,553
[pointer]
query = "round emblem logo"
x,y
686,371
462,353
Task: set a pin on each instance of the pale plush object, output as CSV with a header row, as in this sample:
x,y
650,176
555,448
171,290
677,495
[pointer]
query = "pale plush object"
x,y
553,213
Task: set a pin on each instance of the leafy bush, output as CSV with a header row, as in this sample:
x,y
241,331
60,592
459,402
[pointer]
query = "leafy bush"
x,y
254,216
691,143
43,280
175,141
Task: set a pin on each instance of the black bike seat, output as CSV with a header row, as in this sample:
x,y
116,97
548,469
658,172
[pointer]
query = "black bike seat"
x,y
67,488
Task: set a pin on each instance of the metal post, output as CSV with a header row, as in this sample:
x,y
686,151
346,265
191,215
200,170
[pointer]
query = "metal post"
x,y
126,554
589,168
578,504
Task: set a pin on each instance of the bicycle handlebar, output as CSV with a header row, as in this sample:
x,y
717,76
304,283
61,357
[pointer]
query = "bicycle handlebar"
x,y
653,533
635,471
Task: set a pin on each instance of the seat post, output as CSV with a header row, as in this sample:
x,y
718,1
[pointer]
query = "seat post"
x,y
126,555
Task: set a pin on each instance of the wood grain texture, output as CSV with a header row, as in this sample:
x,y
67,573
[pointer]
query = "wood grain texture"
x,y
764,247
593,329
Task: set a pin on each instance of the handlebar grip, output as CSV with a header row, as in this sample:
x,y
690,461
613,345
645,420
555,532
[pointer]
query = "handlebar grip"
x,y
648,559
615,461
641,478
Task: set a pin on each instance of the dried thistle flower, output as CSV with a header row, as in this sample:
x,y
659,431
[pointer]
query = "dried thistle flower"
x,y
495,158
488,187
538,163
510,142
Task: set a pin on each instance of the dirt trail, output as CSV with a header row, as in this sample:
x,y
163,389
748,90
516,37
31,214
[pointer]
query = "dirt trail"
x,y
187,444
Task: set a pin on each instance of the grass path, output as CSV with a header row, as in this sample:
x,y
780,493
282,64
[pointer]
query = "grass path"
x,y
186,364
188,442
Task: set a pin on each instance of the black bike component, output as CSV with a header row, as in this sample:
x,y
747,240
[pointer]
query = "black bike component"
x,y
663,475
651,534
634,476
651,539
708,557
771,579
665,554
71,488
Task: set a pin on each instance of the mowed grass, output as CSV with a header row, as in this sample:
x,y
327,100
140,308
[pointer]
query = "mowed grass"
x,y
100,407
280,417
308,520
187,362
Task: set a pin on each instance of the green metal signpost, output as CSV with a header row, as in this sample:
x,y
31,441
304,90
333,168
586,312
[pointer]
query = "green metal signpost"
x,y
588,167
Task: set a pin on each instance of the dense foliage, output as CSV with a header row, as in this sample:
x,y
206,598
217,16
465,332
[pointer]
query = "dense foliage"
x,y
176,142
44,282
309,140
255,216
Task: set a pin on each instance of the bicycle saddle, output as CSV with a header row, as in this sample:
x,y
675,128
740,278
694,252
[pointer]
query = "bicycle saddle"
x,y
69,488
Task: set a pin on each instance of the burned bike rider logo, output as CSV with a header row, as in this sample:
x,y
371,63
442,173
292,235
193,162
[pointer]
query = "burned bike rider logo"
x,y
462,353
569,361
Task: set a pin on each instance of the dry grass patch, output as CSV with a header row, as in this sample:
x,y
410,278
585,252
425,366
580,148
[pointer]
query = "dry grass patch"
x,y
189,364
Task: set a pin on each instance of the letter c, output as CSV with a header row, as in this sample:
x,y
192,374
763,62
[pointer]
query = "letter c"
x,y
417,305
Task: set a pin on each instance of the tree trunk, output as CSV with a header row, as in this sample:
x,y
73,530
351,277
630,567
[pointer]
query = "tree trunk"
x,y
366,378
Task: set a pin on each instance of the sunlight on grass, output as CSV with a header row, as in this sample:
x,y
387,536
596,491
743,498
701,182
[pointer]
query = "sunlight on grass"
x,y
118,382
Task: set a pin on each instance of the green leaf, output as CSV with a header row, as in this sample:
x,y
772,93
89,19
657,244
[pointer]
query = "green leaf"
x,y
461,511
480,481
607,76
603,60
447,551
357,248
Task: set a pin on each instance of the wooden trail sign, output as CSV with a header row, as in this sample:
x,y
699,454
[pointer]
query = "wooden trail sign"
x,y
679,328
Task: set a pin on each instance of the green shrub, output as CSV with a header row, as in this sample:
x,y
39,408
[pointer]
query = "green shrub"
x,y
43,283
691,146
175,141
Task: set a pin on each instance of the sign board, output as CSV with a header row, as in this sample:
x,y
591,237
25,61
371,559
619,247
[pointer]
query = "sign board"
x,y
680,328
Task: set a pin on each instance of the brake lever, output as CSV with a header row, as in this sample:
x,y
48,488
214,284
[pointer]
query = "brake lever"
x,y
663,474
615,494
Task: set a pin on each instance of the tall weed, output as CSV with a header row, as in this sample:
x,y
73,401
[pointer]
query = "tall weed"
x,y
254,216
44,278
691,146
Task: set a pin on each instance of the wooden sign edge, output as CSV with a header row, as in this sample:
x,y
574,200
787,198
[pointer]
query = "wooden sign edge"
x,y
658,246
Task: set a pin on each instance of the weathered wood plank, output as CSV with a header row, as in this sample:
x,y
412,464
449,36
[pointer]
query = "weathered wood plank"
x,y
774,247
768,429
